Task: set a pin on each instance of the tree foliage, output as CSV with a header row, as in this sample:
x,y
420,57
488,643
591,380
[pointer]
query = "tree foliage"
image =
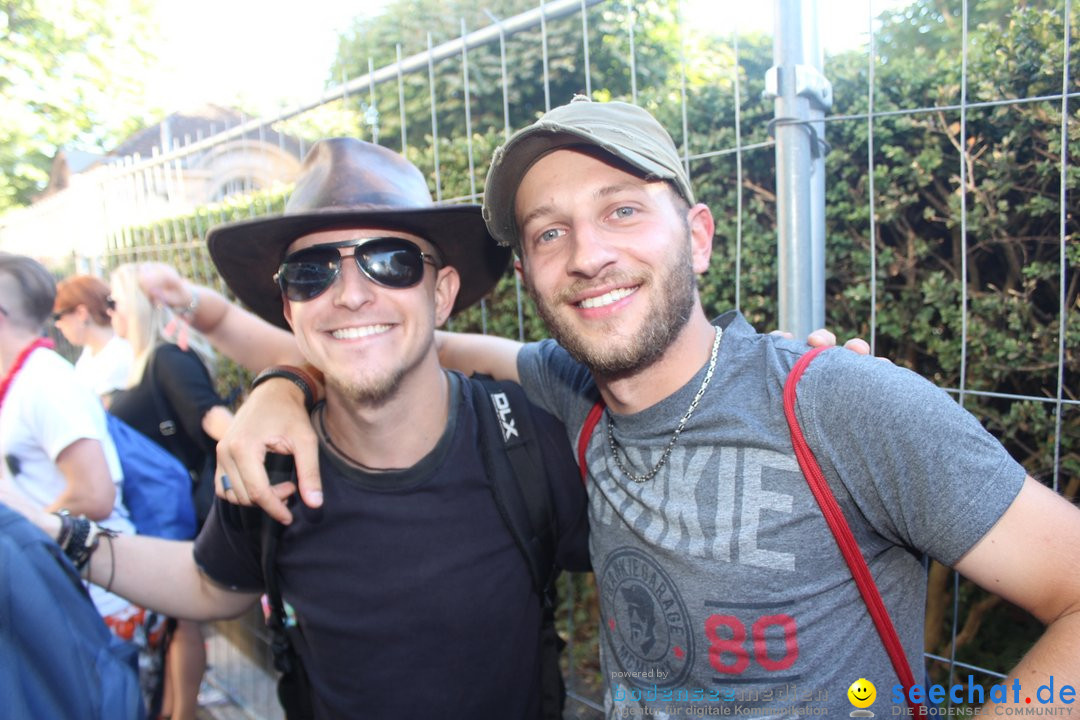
x,y
68,75
527,89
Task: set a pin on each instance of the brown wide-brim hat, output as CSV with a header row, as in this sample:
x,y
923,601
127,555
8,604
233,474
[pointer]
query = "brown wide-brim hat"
x,y
345,182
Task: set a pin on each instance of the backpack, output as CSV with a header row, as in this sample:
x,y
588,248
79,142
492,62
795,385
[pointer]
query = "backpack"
x,y
157,486
515,467
57,658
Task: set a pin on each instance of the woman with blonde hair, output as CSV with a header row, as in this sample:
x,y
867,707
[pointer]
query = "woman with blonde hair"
x,y
81,314
171,399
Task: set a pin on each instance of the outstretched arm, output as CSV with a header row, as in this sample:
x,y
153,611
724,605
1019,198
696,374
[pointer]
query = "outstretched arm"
x,y
156,574
1029,557
243,337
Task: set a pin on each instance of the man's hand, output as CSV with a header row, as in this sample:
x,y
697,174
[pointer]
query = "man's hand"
x,y
272,419
823,338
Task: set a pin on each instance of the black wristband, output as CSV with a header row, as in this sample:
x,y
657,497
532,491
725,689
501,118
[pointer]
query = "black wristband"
x,y
281,371
76,548
66,526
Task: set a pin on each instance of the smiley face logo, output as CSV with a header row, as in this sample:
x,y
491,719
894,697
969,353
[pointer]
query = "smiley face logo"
x,y
862,693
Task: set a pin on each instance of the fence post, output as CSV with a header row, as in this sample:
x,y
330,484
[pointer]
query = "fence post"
x,y
801,95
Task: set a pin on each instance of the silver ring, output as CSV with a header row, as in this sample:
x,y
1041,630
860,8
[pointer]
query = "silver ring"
x,y
225,484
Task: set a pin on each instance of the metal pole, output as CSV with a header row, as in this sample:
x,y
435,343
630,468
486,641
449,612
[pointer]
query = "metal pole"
x,y
802,96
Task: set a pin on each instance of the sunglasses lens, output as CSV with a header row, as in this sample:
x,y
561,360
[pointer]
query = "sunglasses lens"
x,y
390,262
306,274
393,263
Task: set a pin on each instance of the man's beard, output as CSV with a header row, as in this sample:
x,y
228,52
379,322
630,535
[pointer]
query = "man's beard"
x,y
675,291
376,392
371,394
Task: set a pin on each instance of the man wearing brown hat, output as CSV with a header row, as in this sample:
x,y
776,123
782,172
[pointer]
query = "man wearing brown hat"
x,y
722,587
411,593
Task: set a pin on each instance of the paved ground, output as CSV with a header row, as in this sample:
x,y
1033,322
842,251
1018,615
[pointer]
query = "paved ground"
x,y
235,688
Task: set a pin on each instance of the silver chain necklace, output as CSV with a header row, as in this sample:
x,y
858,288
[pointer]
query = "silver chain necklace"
x,y
614,445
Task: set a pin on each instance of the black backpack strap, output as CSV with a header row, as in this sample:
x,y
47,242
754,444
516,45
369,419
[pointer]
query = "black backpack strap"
x,y
286,640
515,467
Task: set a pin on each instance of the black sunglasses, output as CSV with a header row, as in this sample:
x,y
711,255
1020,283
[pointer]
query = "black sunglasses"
x,y
110,304
388,261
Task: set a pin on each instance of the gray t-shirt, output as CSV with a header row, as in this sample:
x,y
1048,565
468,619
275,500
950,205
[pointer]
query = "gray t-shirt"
x,y
721,586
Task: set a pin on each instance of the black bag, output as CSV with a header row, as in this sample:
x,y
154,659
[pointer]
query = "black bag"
x,y
515,467
202,479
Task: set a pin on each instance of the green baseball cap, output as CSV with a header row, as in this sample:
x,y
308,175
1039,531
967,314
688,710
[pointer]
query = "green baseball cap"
x,y
626,131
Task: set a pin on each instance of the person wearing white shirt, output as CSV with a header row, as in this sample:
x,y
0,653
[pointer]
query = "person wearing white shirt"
x,y
81,312
53,438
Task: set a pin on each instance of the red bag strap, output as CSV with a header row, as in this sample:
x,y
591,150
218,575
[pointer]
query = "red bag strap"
x,y
583,438
849,548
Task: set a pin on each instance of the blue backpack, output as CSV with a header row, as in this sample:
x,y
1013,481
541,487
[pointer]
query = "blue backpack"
x,y
157,486
57,658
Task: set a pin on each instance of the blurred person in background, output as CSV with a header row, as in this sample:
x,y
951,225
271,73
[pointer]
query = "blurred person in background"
x,y
81,314
56,449
171,398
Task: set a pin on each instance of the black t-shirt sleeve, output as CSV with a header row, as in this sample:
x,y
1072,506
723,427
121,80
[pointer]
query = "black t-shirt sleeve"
x,y
228,548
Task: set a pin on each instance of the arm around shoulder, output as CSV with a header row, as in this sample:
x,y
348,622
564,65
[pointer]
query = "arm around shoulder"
x,y
474,353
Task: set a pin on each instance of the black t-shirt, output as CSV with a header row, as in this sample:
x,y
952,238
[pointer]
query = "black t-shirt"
x,y
412,596
187,392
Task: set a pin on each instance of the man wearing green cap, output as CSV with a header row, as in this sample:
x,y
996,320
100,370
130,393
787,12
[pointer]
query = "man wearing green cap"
x,y
721,586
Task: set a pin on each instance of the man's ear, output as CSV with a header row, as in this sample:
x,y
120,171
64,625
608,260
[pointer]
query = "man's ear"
x,y
447,284
287,309
702,226
519,271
